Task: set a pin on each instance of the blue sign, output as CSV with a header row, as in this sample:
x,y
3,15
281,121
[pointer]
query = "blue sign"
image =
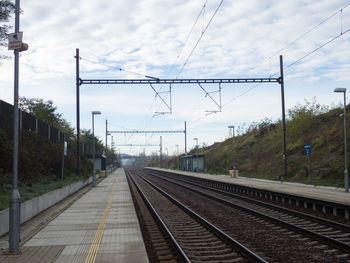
x,y
307,148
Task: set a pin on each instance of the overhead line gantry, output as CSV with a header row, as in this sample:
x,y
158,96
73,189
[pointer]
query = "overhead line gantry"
x,y
152,80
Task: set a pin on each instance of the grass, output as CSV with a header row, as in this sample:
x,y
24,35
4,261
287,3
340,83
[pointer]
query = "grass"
x,y
326,181
42,186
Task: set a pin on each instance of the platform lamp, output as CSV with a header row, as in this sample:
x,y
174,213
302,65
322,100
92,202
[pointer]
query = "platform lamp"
x,y
196,139
177,153
346,176
93,113
233,149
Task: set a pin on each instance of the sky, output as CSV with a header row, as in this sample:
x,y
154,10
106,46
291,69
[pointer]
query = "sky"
x,y
180,39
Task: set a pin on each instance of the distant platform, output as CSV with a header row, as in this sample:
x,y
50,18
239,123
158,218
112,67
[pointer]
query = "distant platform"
x,y
327,197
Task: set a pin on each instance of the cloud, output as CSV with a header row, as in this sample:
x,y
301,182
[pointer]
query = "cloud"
x,y
244,39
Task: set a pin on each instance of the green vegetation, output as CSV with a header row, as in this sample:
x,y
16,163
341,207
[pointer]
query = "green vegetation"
x,y
7,8
41,186
259,150
39,160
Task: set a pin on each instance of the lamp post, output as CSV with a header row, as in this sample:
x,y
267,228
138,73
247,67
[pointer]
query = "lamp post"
x,y
177,152
196,139
346,176
15,199
233,149
106,147
167,158
93,147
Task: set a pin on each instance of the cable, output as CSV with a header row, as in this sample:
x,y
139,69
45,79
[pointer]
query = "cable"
x,y
300,37
205,29
318,48
118,68
310,30
301,58
184,44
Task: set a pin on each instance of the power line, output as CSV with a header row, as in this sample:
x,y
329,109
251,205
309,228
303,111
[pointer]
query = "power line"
x,y
318,48
300,37
310,30
304,56
118,68
291,64
184,44
203,32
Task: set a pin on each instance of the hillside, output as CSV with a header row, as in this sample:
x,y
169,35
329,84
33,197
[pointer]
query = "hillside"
x,y
259,151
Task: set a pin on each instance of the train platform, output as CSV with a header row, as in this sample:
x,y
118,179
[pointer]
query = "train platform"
x,y
101,226
328,195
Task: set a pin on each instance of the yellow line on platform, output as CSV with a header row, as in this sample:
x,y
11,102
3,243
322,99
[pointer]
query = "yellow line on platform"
x,y
91,257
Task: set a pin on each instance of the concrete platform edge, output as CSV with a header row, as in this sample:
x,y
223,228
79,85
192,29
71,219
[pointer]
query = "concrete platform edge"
x,y
32,207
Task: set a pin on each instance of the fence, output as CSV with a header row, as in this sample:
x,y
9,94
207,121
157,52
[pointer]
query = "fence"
x,y
28,122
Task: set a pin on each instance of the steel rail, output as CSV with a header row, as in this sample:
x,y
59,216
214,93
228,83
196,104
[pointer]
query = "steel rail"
x,y
322,238
159,220
250,255
267,205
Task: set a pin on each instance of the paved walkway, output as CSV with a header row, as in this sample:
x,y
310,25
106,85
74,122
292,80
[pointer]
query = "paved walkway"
x,y
101,226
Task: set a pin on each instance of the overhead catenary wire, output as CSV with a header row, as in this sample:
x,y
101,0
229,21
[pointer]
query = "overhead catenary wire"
x,y
286,68
310,30
188,36
199,39
301,36
118,68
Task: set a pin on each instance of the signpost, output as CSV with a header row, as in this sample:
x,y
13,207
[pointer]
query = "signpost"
x,y
307,151
15,41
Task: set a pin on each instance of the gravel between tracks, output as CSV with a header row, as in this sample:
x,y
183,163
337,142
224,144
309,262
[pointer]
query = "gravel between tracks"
x,y
273,243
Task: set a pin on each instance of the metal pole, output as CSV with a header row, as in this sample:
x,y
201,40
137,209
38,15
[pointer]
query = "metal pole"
x,y
160,153
346,176
178,157
93,153
62,172
283,121
233,150
78,108
106,146
309,167
15,199
167,158
185,139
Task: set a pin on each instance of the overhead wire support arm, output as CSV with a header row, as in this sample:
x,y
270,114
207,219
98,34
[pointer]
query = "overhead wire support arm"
x,y
207,94
166,104
179,131
178,81
136,145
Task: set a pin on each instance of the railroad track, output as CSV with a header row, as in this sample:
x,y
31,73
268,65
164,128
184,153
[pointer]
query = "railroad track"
x,y
333,234
193,238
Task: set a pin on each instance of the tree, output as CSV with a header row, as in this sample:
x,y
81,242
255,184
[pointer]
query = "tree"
x,y
7,8
45,111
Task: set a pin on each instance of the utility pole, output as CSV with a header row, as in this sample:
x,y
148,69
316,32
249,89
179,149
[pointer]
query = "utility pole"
x,y
77,80
283,120
15,199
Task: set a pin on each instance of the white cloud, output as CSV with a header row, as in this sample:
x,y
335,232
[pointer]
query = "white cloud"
x,y
147,36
